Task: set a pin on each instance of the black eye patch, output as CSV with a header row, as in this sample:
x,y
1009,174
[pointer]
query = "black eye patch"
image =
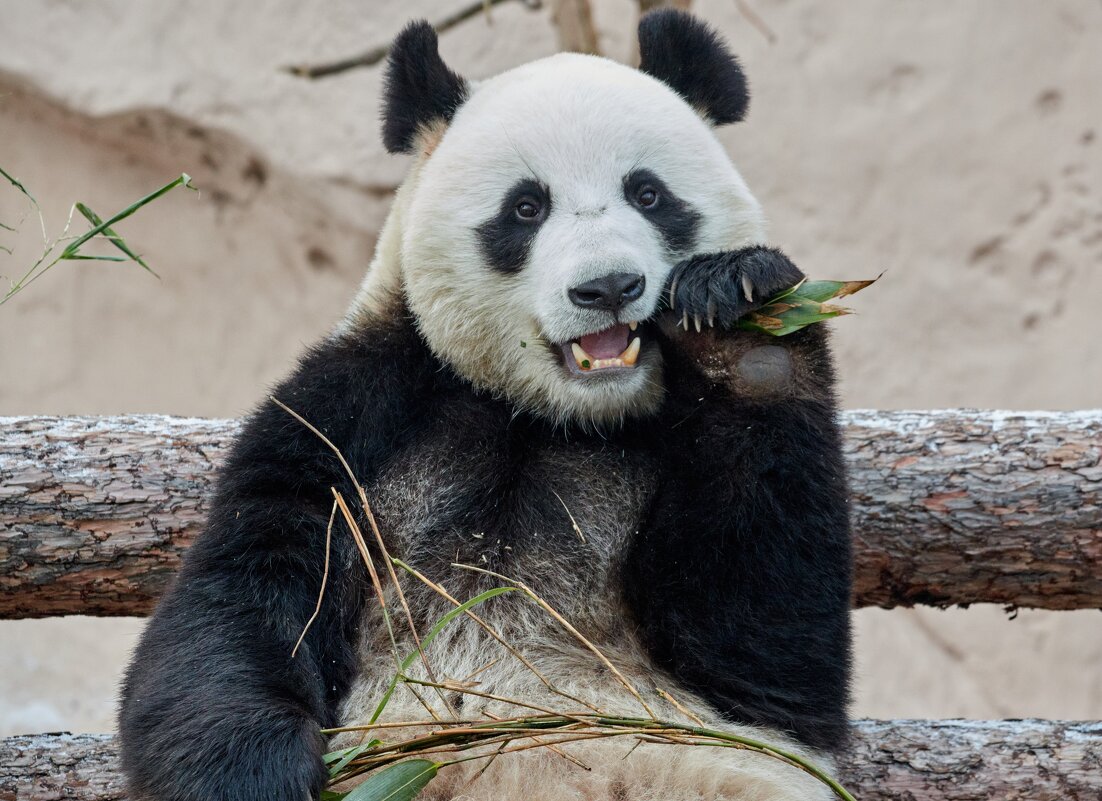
x,y
675,219
506,238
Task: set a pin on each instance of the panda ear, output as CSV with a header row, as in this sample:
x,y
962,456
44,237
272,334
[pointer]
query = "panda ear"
x,y
690,57
419,90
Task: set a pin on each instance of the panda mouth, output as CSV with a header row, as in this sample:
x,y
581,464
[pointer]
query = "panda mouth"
x,y
612,349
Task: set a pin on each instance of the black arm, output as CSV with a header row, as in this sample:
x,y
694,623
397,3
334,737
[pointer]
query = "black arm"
x,y
740,581
214,705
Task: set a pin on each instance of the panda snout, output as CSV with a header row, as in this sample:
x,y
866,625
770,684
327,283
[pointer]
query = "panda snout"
x,y
609,292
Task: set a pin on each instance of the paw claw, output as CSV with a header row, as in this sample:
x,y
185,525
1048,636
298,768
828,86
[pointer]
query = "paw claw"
x,y
747,288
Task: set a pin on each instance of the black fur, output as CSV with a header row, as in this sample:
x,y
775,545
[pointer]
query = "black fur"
x,y
673,217
690,57
505,238
419,88
737,574
740,581
213,706
710,286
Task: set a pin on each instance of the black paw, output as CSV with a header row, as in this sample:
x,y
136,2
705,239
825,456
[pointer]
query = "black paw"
x,y
722,287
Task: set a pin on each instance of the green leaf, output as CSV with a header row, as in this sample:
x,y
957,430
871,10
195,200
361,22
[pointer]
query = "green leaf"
x,y
800,306
116,240
789,316
18,185
82,257
345,756
329,795
183,180
823,291
400,782
431,635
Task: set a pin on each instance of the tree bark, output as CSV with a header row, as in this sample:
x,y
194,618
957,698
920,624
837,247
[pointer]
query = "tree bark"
x,y
949,507
901,760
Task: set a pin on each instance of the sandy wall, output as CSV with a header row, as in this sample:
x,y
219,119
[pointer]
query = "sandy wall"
x,y
954,145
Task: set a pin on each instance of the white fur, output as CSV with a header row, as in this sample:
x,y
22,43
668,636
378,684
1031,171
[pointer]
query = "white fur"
x,y
617,773
578,124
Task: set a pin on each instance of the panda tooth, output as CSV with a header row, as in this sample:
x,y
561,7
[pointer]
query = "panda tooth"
x,y
633,326
631,355
580,356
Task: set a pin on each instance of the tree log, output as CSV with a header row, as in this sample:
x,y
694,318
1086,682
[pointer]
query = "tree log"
x,y
949,507
900,760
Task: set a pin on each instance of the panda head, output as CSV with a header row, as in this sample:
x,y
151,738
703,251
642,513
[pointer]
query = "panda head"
x,y
547,206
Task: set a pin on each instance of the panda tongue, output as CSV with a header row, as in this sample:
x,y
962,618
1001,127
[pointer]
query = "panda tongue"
x,y
607,344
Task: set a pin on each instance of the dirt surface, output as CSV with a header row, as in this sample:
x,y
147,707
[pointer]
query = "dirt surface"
x,y
956,146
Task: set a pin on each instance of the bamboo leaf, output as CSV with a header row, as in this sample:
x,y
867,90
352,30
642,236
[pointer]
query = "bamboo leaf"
x,y
801,306
115,239
18,185
823,291
399,782
83,257
183,180
347,755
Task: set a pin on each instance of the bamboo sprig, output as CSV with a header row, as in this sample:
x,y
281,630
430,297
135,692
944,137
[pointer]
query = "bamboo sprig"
x,y
72,251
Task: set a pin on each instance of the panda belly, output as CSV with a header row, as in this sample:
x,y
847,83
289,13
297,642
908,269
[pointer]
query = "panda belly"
x,y
559,518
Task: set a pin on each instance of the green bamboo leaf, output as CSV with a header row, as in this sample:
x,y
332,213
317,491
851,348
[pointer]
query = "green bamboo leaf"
x,y
823,291
794,315
115,239
399,782
83,257
329,795
346,755
183,180
18,185
431,635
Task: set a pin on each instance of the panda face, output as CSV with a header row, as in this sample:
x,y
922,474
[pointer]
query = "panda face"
x,y
543,224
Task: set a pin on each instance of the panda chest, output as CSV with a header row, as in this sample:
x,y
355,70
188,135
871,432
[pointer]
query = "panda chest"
x,y
555,513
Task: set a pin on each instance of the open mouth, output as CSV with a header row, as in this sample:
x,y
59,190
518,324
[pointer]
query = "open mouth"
x,y
613,349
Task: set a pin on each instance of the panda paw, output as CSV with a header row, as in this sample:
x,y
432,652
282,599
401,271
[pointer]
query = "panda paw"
x,y
722,287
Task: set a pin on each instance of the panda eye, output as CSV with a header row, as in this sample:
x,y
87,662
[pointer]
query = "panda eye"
x,y
647,197
528,209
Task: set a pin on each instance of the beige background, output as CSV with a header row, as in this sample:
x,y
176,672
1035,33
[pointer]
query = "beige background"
x,y
955,145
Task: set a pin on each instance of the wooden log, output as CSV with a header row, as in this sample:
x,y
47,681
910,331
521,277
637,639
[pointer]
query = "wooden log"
x,y
949,507
900,760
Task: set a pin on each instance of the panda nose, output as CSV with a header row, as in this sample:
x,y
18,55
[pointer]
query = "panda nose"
x,y
609,292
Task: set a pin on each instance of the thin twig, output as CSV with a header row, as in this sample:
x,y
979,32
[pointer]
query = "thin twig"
x,y
755,19
378,53
389,562
358,536
501,640
324,579
680,707
569,627
573,522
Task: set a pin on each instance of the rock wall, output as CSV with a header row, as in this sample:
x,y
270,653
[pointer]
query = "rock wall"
x,y
954,145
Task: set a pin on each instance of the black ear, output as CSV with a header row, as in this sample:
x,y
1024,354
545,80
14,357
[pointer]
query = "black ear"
x,y
686,54
419,89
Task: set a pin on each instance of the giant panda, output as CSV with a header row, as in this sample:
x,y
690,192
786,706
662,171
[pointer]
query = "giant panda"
x,y
539,377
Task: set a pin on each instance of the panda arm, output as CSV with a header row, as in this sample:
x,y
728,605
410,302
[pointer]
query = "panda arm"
x,y
215,706
740,580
